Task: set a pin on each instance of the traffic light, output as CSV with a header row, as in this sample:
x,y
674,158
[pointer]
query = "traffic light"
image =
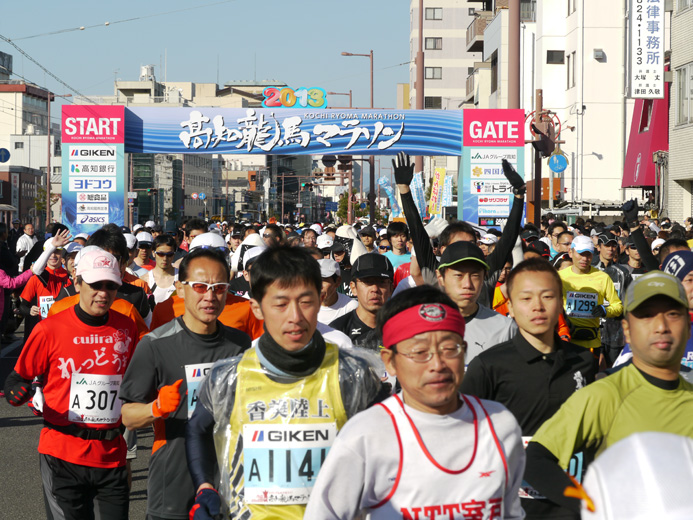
x,y
544,141
344,163
307,185
151,190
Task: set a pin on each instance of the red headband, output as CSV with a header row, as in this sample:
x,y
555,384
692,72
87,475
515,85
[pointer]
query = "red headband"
x,y
427,317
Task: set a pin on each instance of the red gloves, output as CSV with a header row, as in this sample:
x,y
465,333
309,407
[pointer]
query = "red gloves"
x,y
168,400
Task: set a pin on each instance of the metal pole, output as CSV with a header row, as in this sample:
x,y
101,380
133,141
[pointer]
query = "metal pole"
x,y
132,206
350,207
282,199
371,165
419,85
48,166
514,54
538,104
350,105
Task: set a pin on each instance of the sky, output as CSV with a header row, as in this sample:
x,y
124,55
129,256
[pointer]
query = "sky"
x,y
297,42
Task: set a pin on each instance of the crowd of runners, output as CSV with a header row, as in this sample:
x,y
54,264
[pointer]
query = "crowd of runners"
x,y
417,370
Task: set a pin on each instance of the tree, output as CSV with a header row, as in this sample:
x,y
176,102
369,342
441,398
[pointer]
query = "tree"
x,y
358,212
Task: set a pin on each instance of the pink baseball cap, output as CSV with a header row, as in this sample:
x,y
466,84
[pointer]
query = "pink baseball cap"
x,y
98,266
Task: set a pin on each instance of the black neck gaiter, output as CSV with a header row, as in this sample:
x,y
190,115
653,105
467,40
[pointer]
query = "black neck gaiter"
x,y
298,364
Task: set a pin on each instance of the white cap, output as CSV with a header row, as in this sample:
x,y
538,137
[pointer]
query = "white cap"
x,y
211,227
644,476
329,267
84,251
489,239
207,240
130,240
150,224
317,228
99,266
657,242
224,223
85,236
324,242
382,232
252,240
136,227
73,247
144,238
228,238
582,244
251,254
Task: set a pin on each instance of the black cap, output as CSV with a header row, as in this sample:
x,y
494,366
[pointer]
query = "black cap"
x,y
368,230
605,238
170,227
372,265
124,229
529,235
461,252
539,247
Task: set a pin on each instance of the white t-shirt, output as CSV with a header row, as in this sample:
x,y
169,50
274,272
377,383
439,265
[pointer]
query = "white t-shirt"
x,y
24,243
343,305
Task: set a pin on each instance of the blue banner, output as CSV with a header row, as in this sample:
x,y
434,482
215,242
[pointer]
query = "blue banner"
x,y
394,205
417,192
292,131
447,191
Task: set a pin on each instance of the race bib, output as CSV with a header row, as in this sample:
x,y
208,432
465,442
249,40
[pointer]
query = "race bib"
x,y
617,286
282,461
575,469
94,398
580,304
45,303
194,374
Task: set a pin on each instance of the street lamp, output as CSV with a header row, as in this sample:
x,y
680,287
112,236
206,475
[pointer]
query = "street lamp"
x,y
371,159
342,94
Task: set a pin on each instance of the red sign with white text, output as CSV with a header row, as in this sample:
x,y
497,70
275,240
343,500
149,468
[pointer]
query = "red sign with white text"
x,y
494,127
95,124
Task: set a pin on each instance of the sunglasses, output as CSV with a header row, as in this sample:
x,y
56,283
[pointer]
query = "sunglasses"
x,y
104,286
202,287
162,254
385,248
144,246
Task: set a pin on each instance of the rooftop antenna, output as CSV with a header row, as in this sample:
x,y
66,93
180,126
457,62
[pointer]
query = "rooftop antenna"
x,y
217,70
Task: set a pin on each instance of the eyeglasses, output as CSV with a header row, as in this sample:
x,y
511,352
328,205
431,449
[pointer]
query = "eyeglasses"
x,y
423,355
103,286
267,235
162,254
202,287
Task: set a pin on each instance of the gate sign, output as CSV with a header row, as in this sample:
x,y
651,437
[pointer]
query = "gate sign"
x,y
93,184
490,135
292,131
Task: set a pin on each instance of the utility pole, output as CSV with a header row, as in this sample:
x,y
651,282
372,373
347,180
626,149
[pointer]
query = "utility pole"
x,y
419,85
514,54
539,107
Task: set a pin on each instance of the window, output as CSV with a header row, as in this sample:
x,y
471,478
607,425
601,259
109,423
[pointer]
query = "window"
x,y
683,94
433,72
555,57
434,13
433,44
494,72
432,103
472,11
683,4
572,6
570,71
18,145
645,116
470,71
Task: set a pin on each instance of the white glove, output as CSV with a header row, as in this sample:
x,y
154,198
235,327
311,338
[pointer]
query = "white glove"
x,y
436,226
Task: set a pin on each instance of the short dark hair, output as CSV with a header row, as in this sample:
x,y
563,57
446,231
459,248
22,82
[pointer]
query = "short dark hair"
x,y
564,233
276,231
202,252
308,230
110,239
670,244
534,265
288,266
164,240
195,224
554,225
453,229
396,228
407,299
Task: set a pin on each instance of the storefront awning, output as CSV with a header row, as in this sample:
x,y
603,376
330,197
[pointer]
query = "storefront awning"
x,y
649,133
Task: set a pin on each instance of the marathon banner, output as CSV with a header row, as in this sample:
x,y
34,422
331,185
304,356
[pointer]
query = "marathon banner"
x,y
395,210
93,167
490,135
292,131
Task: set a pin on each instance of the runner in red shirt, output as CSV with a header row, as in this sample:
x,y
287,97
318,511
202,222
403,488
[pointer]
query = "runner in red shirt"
x,y
82,356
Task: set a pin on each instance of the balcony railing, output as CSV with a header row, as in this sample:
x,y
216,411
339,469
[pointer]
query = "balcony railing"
x,y
475,31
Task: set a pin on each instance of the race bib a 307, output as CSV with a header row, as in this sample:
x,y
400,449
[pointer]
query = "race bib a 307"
x,y
94,398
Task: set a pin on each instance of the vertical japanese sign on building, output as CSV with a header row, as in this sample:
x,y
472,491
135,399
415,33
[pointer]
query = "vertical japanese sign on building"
x,y
489,136
436,191
93,167
646,77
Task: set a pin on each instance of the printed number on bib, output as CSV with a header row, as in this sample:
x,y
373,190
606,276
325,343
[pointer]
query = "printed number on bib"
x,y
580,304
575,469
194,374
94,398
281,461
45,303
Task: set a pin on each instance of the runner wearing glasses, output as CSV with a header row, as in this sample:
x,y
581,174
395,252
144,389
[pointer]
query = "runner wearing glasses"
x,y
163,277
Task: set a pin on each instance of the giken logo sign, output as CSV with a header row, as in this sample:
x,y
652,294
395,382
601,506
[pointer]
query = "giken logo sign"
x,y
93,152
291,436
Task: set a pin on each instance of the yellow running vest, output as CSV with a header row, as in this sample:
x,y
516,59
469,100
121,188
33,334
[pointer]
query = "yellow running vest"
x,y
280,436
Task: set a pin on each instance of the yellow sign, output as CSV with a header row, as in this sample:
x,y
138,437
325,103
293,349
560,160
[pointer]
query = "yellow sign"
x,y
436,191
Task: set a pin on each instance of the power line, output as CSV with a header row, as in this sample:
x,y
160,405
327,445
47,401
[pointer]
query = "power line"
x,y
44,69
126,20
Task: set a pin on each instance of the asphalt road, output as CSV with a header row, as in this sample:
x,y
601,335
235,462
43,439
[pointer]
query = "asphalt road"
x,y
20,480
